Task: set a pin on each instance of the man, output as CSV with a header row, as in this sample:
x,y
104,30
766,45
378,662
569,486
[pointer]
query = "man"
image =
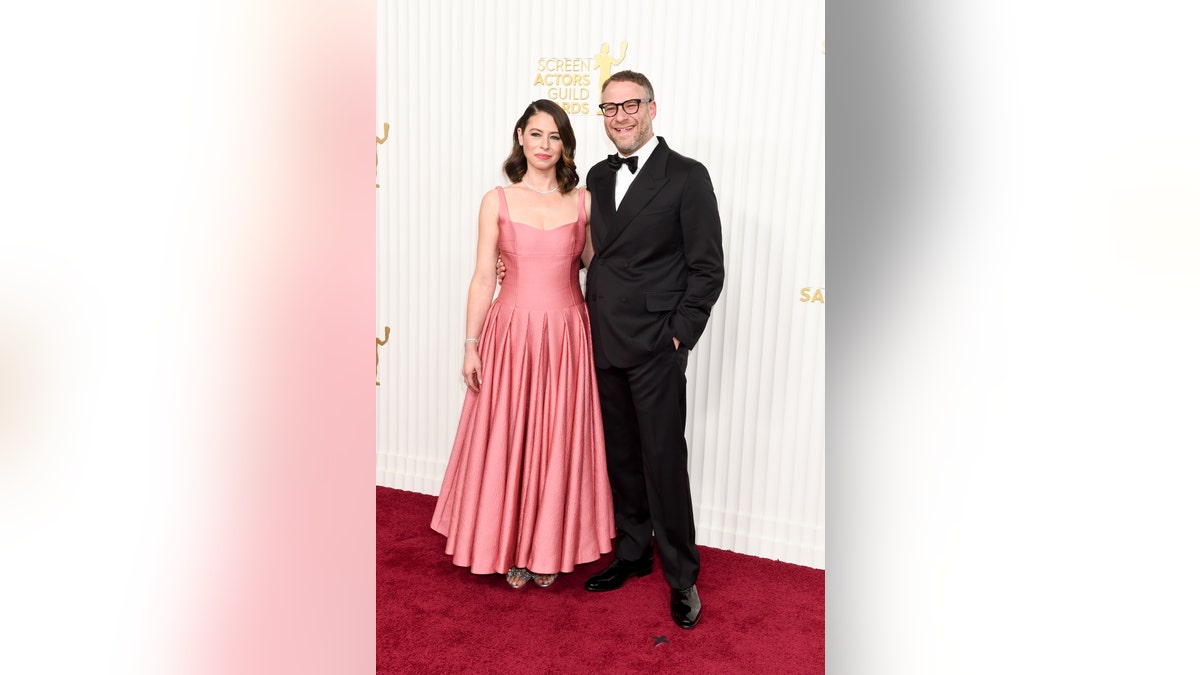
x,y
656,271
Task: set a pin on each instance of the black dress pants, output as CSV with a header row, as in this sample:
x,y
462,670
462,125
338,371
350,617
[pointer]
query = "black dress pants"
x,y
644,408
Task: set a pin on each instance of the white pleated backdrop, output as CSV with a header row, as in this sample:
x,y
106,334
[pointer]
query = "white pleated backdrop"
x,y
740,87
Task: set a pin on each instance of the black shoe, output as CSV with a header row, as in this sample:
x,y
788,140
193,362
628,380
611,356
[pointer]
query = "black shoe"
x,y
685,606
614,576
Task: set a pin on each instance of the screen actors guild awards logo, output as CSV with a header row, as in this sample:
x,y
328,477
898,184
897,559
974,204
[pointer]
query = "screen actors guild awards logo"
x,y
570,80
379,141
387,330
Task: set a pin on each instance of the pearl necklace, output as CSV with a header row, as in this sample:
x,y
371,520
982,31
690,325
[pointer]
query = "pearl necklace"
x,y
531,189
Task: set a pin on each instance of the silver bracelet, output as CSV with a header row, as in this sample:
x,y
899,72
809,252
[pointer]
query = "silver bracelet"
x,y
475,340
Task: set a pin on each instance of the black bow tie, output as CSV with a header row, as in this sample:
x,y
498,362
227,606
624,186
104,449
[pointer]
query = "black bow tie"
x,y
615,162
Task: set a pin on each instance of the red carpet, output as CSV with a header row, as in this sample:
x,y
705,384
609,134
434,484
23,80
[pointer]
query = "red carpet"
x,y
760,616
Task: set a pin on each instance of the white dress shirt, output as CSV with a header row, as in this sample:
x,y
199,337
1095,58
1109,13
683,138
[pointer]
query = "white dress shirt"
x,y
625,177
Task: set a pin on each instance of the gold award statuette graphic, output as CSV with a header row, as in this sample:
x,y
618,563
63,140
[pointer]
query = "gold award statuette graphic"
x,y
379,141
605,62
570,82
387,333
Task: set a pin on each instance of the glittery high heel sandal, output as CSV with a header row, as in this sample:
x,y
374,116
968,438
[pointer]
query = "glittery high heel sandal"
x,y
544,580
518,576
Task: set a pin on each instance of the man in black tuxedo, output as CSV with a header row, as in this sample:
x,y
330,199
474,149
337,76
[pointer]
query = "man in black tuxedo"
x,y
657,269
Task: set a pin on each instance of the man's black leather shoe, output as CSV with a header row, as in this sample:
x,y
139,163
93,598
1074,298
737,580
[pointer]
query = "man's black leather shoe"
x,y
685,606
618,571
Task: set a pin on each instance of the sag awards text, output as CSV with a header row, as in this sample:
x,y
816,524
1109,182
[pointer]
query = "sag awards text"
x,y
569,83
809,294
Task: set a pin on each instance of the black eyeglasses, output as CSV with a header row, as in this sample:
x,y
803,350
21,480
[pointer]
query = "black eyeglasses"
x,y
630,107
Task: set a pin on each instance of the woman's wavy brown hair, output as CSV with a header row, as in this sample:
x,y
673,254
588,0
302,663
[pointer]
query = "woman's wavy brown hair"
x,y
516,166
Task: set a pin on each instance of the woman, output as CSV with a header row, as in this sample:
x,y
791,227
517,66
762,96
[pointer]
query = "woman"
x,y
526,492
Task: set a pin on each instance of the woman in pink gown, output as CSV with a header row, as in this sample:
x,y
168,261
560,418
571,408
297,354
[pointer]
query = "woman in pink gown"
x,y
526,490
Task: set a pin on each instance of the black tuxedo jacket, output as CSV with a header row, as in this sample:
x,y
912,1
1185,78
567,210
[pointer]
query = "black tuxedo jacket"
x,y
658,265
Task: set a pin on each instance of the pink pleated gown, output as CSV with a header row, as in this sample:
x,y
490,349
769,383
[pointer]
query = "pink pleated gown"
x,y
526,484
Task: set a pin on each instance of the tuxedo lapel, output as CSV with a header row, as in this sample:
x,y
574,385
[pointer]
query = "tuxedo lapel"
x,y
604,207
649,180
